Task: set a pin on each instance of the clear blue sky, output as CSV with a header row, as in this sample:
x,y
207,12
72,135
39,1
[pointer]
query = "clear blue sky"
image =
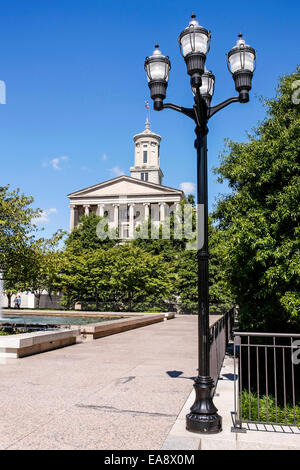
x,y
76,88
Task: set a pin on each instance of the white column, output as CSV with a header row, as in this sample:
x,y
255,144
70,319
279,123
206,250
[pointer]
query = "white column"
x,y
177,221
161,211
131,220
165,221
147,210
72,216
116,215
86,209
100,210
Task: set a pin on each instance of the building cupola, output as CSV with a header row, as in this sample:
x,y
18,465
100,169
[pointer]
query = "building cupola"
x,y
147,156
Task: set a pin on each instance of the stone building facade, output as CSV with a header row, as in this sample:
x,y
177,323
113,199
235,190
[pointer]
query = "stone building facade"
x,y
126,201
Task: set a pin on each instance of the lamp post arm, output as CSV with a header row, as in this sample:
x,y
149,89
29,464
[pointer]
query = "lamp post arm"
x,y
187,111
214,109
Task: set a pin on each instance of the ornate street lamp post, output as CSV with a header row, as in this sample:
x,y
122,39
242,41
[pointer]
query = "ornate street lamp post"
x,y
194,44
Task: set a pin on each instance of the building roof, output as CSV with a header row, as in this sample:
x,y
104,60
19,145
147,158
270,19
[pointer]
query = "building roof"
x,y
122,185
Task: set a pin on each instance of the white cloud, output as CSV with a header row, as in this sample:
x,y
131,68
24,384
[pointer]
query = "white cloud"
x,y
55,163
104,157
116,171
3,92
44,217
187,187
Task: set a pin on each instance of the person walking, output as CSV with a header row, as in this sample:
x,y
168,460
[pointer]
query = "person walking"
x,y
16,302
19,301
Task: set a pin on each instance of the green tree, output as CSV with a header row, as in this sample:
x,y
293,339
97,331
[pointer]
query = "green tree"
x,y
16,227
259,221
138,276
124,274
177,253
191,199
169,248
11,282
44,263
84,236
16,235
186,269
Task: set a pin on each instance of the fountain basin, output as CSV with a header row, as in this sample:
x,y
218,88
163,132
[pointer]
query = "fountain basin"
x,y
26,344
49,320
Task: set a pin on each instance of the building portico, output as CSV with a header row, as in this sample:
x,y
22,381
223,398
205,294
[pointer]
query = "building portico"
x,y
119,210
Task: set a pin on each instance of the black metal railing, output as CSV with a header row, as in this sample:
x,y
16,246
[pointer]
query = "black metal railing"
x,y
191,308
220,335
122,306
267,389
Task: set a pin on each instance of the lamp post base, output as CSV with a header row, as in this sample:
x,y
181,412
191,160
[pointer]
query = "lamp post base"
x,y
205,424
203,417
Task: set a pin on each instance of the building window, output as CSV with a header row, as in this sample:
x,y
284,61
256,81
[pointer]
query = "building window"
x,y
146,176
142,176
145,156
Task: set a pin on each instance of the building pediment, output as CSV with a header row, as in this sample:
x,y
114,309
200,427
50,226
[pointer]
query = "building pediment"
x,y
124,185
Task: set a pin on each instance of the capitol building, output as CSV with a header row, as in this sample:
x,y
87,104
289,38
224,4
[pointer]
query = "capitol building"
x,y
124,201
127,201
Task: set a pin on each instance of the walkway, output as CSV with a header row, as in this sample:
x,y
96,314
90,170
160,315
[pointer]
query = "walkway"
x,y
120,392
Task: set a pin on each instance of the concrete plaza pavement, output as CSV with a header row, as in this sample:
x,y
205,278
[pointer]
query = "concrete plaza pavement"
x,y
127,391
119,392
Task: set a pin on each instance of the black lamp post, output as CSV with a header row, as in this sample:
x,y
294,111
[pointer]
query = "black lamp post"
x,y
194,43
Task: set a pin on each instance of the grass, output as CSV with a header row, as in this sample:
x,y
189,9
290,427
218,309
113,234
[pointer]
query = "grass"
x,y
12,332
267,409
